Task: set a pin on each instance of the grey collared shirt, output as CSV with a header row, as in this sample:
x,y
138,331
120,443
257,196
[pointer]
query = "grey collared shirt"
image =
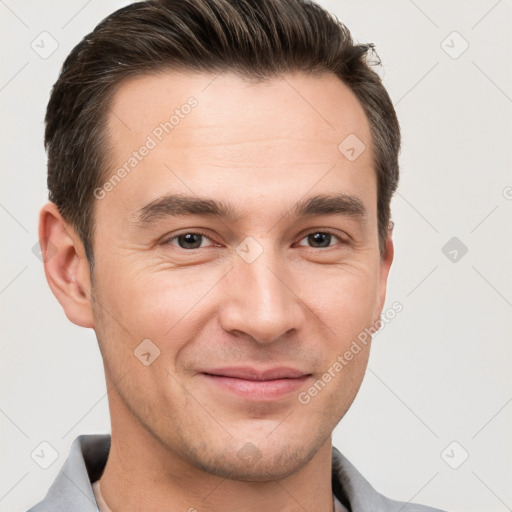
x,y
72,489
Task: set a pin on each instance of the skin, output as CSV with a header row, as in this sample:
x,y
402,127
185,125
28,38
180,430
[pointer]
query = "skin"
x,y
260,147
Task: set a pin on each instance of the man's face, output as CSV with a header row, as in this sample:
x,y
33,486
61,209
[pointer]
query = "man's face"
x,y
259,290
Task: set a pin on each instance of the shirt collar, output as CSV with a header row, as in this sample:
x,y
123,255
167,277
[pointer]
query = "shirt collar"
x,y
72,488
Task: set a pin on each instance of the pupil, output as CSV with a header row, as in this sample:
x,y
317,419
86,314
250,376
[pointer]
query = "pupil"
x,y
188,239
323,239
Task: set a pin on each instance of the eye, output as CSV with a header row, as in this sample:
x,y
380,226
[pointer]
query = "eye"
x,y
188,240
191,240
321,239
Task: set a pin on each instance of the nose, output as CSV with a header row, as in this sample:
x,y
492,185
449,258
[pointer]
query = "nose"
x,y
260,299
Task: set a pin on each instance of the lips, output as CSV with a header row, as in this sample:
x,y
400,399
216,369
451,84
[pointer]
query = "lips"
x,y
257,385
248,373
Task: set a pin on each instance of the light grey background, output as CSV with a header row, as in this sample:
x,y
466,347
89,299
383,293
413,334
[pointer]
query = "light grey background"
x,y
438,373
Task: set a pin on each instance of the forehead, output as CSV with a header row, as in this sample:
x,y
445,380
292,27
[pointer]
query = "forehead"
x,y
326,105
228,135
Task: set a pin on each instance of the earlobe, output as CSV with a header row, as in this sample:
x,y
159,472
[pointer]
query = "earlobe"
x,y
65,265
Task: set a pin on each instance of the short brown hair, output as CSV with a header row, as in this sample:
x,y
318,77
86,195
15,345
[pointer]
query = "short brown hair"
x,y
253,38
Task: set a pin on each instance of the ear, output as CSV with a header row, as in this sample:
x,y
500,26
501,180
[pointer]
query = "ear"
x,y
65,265
385,264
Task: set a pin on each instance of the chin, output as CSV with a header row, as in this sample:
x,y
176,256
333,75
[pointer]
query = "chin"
x,y
254,461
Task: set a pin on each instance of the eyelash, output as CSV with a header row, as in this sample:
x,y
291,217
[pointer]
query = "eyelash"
x,y
199,232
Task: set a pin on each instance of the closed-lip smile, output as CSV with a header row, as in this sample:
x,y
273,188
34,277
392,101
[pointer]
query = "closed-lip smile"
x,y
255,384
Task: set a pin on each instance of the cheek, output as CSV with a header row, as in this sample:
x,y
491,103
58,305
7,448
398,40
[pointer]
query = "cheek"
x,y
166,301
162,305
343,298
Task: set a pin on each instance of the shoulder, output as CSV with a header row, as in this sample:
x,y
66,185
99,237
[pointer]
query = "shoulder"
x,y
72,488
355,491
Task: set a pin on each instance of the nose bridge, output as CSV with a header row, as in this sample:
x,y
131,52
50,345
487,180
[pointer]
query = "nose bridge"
x,y
258,299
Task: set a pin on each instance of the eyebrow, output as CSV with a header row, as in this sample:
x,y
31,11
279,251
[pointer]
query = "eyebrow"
x,y
182,205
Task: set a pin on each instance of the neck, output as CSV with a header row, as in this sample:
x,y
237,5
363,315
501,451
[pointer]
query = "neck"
x,y
142,474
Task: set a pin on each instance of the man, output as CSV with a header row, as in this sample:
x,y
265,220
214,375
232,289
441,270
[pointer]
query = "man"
x,y
220,176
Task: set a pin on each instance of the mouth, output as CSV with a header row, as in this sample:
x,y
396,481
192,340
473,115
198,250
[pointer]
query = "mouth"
x,y
252,384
